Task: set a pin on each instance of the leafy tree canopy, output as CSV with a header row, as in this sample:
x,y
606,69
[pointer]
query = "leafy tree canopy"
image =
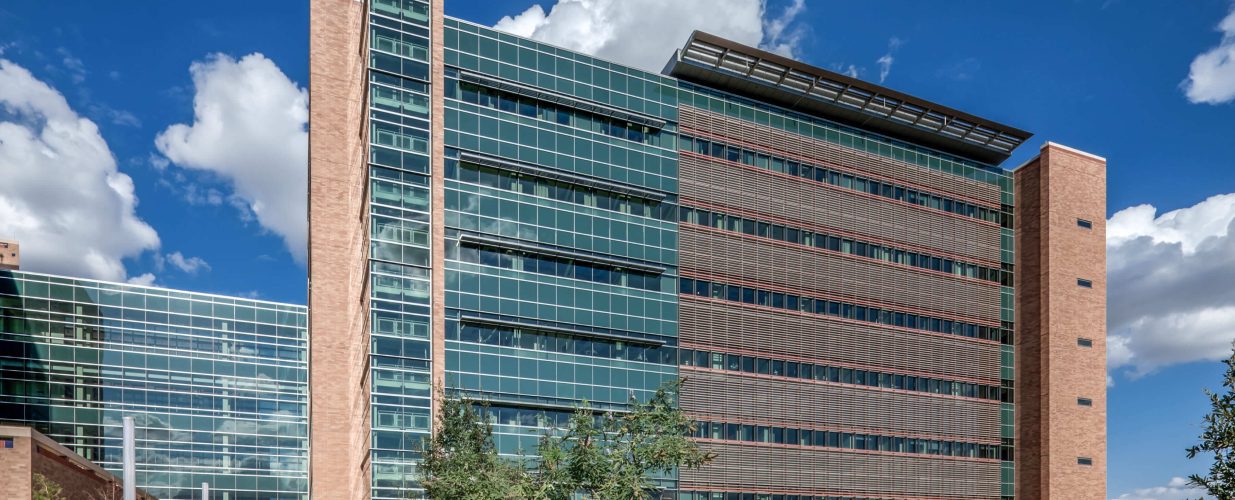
x,y
610,455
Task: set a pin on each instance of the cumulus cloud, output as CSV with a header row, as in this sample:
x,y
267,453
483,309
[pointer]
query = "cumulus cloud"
x,y
62,196
1176,489
1211,78
248,131
1170,299
624,31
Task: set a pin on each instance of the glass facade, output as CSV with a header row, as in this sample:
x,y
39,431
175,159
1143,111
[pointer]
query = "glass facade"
x,y
400,242
559,185
218,386
561,230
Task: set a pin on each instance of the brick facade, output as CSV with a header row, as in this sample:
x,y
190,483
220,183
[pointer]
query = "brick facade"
x,y
33,453
1053,251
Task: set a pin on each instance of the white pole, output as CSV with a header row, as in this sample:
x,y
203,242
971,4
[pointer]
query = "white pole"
x,y
130,460
205,491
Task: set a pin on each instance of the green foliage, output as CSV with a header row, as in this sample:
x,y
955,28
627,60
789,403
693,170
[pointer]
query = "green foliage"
x,y
608,455
46,489
1219,438
460,460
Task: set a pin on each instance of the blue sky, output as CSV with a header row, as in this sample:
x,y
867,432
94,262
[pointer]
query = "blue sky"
x,y
1106,76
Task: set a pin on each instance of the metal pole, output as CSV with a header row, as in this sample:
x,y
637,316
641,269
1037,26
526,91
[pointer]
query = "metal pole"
x,y
130,460
205,491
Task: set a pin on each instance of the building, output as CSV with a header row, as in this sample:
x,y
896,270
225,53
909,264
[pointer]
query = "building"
x,y
10,255
829,263
28,460
218,386
1061,313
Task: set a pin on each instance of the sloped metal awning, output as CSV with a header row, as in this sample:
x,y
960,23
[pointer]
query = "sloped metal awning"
x,y
715,62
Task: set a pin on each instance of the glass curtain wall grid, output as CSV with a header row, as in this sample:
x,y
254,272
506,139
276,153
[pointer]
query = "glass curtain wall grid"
x,y
399,241
561,176
218,386
561,230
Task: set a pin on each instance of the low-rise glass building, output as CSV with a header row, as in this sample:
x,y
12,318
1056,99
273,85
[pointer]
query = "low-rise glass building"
x,y
218,385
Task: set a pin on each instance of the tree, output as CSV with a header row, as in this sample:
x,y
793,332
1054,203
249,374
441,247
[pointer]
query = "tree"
x,y
460,459
1218,438
610,455
46,489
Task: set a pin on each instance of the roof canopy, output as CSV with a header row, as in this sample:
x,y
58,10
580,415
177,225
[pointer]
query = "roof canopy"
x,y
716,62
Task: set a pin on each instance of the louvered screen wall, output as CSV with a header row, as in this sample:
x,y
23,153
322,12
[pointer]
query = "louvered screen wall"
x,y
828,154
718,325
833,473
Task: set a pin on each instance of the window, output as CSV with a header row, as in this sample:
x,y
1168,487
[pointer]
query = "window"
x,y
6,442
1084,342
1082,223
1083,283
1084,461
1084,402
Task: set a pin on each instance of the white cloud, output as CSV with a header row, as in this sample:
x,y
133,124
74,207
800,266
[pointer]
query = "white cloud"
x,y
145,279
75,67
1169,279
188,265
778,37
644,33
850,70
1211,78
885,66
249,130
885,62
62,196
1176,489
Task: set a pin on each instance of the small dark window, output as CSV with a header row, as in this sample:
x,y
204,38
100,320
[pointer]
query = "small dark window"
x,y
1084,224
1084,342
1084,401
6,442
1084,283
1084,461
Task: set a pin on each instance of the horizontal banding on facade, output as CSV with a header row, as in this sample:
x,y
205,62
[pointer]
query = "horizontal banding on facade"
x,y
692,203
718,396
733,280
765,422
805,471
799,380
795,357
712,180
836,185
817,272
789,144
719,325
758,445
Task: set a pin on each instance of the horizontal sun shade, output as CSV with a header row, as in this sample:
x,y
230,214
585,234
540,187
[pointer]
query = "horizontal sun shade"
x,y
553,97
550,173
477,320
475,239
720,63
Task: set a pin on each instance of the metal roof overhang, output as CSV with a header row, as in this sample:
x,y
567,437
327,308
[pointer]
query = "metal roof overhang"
x,y
726,65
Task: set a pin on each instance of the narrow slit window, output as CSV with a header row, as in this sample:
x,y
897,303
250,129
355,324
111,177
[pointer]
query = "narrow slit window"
x,y
1082,223
1084,283
1084,402
1084,342
1084,461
